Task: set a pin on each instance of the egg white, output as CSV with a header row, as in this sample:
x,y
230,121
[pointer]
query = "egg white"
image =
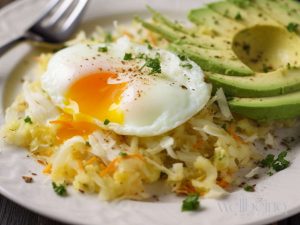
x,y
152,103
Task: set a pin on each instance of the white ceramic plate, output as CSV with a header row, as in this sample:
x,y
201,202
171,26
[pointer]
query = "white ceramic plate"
x,y
276,197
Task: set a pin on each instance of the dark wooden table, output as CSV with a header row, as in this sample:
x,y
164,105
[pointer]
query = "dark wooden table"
x,y
13,214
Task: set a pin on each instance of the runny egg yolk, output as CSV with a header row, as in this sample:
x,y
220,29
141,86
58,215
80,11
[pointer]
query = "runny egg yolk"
x,y
97,98
68,127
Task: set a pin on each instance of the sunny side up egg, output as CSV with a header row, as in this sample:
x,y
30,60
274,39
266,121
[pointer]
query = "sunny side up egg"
x,y
128,88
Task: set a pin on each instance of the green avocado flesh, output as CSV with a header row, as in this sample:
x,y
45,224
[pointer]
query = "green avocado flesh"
x,y
261,85
249,48
213,20
270,108
213,60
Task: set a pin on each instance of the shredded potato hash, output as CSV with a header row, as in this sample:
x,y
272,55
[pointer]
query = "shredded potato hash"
x,y
203,155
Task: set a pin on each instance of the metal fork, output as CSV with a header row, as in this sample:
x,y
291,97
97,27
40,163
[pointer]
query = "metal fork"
x,y
56,26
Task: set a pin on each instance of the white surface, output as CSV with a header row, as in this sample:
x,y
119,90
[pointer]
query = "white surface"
x,y
276,197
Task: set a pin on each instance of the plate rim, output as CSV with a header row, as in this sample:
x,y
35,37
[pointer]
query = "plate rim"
x,y
42,211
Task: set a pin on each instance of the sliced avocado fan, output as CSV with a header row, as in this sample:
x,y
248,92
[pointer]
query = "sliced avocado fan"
x,y
250,48
208,51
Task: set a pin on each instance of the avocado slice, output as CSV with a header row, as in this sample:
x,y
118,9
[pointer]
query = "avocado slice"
x,y
228,10
247,15
280,12
270,108
214,60
213,20
172,35
278,82
163,20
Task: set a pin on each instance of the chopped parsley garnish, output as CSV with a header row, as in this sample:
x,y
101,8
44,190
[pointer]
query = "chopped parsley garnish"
x,y
153,64
106,122
238,16
102,49
266,68
249,188
270,173
292,27
149,46
186,65
277,164
123,154
140,56
28,120
267,162
191,203
182,57
281,163
59,189
127,56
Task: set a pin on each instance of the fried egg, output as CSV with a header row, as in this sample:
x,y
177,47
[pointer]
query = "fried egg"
x,y
128,88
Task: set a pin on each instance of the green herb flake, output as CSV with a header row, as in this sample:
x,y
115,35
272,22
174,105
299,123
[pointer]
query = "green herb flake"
x,y
277,164
28,120
59,189
191,203
292,27
182,57
270,173
153,64
266,68
149,46
238,16
267,162
186,65
123,154
249,188
106,122
127,56
102,49
281,163
140,56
